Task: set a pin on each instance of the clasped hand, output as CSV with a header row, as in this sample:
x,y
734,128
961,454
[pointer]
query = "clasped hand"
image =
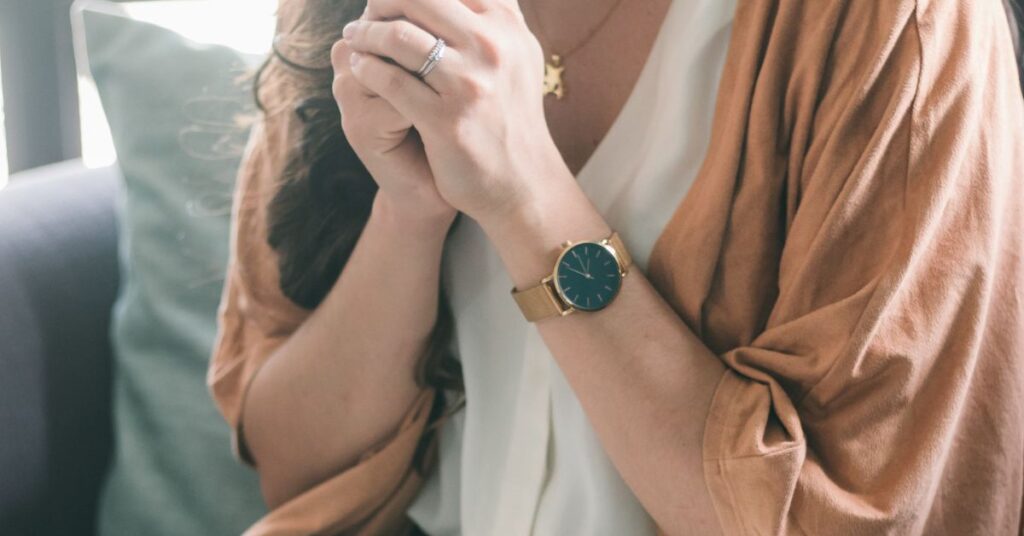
x,y
477,119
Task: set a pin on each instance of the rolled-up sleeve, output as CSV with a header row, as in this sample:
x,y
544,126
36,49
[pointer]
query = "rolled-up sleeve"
x,y
866,295
254,319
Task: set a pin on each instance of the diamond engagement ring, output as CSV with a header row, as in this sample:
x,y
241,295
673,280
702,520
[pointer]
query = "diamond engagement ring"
x,y
433,58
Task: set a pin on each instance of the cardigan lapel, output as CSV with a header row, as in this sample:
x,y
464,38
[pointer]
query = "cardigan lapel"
x,y
717,260
686,256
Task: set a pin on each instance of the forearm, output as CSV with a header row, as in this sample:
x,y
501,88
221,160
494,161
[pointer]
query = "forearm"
x,y
642,376
342,382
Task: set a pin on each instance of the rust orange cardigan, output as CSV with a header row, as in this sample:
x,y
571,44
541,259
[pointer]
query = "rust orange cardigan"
x,y
851,249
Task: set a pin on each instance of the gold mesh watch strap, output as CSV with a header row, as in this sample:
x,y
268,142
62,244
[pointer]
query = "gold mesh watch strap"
x,y
625,260
541,300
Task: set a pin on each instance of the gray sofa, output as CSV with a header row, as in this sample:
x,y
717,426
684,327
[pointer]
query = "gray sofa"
x,y
58,283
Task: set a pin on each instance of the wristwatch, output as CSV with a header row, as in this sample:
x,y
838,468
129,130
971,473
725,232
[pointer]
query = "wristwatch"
x,y
587,277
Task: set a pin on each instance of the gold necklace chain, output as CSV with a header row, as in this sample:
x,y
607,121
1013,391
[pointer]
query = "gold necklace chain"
x,y
554,66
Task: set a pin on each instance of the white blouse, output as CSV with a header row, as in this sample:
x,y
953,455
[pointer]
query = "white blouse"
x,y
522,457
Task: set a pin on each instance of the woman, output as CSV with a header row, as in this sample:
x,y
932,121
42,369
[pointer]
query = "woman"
x,y
820,330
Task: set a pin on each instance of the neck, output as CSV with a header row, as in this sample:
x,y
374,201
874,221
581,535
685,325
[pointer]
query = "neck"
x,y
562,25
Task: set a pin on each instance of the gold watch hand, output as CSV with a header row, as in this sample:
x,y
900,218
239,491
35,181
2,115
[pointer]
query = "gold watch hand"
x,y
578,272
585,269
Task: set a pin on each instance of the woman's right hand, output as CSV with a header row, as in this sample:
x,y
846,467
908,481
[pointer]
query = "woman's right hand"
x,y
388,146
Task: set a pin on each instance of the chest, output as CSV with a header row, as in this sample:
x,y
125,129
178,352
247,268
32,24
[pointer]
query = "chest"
x,y
502,459
599,76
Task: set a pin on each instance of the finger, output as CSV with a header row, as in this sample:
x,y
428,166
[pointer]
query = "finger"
x,y
340,53
477,6
357,103
408,94
378,115
344,82
448,19
381,113
405,43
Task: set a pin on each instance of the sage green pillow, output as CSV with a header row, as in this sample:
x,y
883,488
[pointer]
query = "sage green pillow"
x,y
175,110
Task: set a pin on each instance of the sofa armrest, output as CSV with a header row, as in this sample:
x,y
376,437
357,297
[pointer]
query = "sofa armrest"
x,y
58,283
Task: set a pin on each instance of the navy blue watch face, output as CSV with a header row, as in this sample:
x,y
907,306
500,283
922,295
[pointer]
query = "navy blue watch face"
x,y
588,276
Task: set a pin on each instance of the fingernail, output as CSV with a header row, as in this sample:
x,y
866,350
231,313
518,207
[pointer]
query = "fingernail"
x,y
349,29
354,58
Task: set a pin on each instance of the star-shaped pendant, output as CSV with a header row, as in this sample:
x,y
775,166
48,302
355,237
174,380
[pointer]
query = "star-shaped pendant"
x,y
553,77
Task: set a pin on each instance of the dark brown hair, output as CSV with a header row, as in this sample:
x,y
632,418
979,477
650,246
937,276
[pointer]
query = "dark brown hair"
x,y
325,194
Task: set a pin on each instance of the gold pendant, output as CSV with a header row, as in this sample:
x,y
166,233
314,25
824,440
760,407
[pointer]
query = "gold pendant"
x,y
553,77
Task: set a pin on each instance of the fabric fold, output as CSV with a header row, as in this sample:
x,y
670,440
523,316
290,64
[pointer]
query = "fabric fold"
x,y
869,312
851,250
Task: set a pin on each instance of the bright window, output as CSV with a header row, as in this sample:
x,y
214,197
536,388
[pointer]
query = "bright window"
x,y
245,25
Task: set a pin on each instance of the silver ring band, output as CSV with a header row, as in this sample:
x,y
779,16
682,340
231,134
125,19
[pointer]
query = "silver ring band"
x,y
433,58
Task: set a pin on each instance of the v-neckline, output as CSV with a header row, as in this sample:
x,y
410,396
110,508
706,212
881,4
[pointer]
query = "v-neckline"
x,y
645,72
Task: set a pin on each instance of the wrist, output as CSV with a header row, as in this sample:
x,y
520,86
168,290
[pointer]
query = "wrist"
x,y
411,221
529,235
524,183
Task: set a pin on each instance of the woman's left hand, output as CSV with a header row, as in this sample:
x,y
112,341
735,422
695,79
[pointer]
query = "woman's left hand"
x,y
480,111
